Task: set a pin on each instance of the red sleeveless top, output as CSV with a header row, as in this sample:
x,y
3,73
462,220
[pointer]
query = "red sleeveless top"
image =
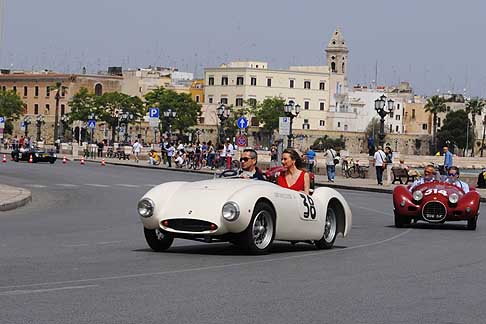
x,y
297,186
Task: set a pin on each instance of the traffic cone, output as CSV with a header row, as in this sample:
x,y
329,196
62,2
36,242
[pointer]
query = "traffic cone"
x,y
30,159
64,160
102,162
4,160
82,160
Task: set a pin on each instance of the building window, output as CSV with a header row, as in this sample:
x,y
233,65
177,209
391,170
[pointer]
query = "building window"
x,y
36,109
14,88
63,110
36,91
211,81
239,102
201,120
438,122
224,101
413,113
398,106
269,82
391,114
253,81
48,91
333,67
48,107
424,126
339,124
291,83
98,89
63,91
210,99
254,121
321,106
198,98
391,128
252,102
307,84
322,123
322,86
397,128
306,105
345,127
224,81
239,81
26,91
4,88
397,117
306,125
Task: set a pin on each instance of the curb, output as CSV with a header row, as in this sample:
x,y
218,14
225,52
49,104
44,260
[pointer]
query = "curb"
x,y
21,199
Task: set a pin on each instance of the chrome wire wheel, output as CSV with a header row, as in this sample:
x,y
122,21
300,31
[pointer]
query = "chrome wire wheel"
x,y
330,226
262,229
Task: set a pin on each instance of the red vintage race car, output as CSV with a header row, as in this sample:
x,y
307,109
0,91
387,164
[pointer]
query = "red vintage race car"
x,y
435,202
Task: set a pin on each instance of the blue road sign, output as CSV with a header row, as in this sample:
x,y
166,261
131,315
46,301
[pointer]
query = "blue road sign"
x,y
242,122
2,119
154,112
91,123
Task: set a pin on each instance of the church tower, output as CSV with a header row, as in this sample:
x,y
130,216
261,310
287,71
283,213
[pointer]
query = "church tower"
x,y
337,53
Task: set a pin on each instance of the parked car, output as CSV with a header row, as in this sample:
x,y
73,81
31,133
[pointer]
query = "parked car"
x,y
37,155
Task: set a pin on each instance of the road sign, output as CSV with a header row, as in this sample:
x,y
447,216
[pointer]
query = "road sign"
x,y
241,140
154,113
121,131
154,122
91,123
284,126
22,126
242,122
2,120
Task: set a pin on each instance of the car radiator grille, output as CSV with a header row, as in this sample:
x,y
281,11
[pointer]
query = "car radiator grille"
x,y
189,225
434,211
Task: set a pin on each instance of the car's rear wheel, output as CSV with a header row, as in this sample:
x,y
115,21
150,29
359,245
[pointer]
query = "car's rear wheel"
x,y
258,236
51,161
401,221
472,222
158,239
330,230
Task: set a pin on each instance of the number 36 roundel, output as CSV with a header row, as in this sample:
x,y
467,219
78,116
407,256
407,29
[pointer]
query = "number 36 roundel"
x,y
309,207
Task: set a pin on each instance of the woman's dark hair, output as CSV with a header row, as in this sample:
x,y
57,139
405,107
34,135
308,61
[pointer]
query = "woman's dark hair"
x,y
294,156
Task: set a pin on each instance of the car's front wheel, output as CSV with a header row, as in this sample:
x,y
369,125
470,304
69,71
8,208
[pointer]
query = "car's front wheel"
x,y
472,223
330,230
158,239
401,221
258,236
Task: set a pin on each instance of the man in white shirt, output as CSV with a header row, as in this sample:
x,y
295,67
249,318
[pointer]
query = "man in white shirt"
x,y
137,148
379,164
453,178
330,155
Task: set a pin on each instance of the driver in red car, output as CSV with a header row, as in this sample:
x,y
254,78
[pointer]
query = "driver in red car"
x,y
453,178
429,176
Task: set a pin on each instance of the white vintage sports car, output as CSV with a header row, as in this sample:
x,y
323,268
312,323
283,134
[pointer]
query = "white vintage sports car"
x,y
249,213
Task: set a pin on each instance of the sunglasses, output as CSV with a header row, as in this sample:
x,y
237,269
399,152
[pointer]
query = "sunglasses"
x,y
245,159
452,174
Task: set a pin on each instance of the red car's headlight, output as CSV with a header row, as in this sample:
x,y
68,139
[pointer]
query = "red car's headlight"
x,y
453,198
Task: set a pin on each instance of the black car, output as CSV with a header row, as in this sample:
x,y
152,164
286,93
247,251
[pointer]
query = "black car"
x,y
37,156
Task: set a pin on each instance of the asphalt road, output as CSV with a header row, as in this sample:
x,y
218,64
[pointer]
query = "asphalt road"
x,y
77,254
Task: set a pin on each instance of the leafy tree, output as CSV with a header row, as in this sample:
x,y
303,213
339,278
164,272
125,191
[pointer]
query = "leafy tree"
x,y
474,107
455,129
373,128
435,105
82,105
268,113
11,107
187,110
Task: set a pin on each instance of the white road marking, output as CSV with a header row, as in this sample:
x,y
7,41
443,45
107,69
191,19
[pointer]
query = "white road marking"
x,y
69,185
35,186
23,292
109,242
222,266
150,185
76,245
127,185
96,185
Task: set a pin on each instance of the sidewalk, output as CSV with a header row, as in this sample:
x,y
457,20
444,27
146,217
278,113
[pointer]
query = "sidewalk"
x,y
13,197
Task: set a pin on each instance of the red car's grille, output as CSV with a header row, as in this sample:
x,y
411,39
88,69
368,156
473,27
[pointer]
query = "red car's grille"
x,y
434,211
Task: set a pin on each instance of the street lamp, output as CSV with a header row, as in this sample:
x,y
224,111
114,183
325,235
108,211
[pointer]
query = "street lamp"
x,y
169,116
291,110
64,121
27,121
223,114
39,120
382,111
484,134
123,120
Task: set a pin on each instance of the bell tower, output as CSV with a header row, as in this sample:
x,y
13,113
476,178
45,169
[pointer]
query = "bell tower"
x,y
337,53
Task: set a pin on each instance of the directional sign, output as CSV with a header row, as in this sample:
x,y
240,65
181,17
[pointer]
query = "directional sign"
x,y
2,119
91,123
242,122
154,112
121,131
284,126
241,140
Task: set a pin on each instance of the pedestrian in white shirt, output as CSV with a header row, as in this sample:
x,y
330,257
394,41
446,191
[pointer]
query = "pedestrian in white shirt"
x,y
136,148
380,158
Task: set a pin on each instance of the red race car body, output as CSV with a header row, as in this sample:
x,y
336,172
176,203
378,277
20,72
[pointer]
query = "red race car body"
x,y
435,202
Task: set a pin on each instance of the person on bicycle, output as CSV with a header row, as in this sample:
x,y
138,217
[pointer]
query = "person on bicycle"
x,y
330,156
249,170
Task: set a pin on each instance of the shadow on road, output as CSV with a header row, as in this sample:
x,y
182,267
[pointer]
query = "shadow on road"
x,y
446,226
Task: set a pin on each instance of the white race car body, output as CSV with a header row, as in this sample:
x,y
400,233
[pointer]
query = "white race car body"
x,y
179,208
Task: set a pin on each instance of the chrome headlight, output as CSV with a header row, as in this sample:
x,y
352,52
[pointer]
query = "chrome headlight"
x,y
453,198
231,211
417,195
145,207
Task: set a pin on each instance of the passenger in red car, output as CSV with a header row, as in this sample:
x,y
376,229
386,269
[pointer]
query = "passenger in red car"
x,y
294,177
429,176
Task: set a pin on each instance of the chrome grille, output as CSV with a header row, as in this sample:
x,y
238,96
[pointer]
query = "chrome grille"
x,y
434,211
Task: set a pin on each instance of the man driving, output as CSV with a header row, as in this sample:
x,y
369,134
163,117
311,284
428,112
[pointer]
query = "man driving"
x,y
248,161
453,178
429,176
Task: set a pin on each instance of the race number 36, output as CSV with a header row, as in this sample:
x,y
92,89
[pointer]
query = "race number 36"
x,y
310,208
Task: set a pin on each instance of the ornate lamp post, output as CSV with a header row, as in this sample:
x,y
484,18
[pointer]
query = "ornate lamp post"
x,y
223,114
291,110
64,121
382,111
169,116
39,120
27,121
124,119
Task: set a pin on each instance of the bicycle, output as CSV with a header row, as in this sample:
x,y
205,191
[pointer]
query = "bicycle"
x,y
356,171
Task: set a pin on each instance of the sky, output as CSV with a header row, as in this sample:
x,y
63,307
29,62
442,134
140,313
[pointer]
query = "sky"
x,y
436,45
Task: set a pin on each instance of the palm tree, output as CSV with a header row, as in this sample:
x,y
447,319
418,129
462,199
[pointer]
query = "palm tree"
x,y
474,107
435,105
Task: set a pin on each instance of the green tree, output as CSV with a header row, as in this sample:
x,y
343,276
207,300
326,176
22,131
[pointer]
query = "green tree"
x,y
187,110
268,113
11,107
435,105
231,129
373,128
82,105
455,130
474,107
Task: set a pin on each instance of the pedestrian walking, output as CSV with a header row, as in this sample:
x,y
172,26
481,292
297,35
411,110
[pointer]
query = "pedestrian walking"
x,y
230,149
311,158
274,156
136,148
389,164
330,156
380,164
170,153
447,158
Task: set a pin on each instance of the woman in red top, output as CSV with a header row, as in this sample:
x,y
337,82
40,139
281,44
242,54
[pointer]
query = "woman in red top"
x,y
294,177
